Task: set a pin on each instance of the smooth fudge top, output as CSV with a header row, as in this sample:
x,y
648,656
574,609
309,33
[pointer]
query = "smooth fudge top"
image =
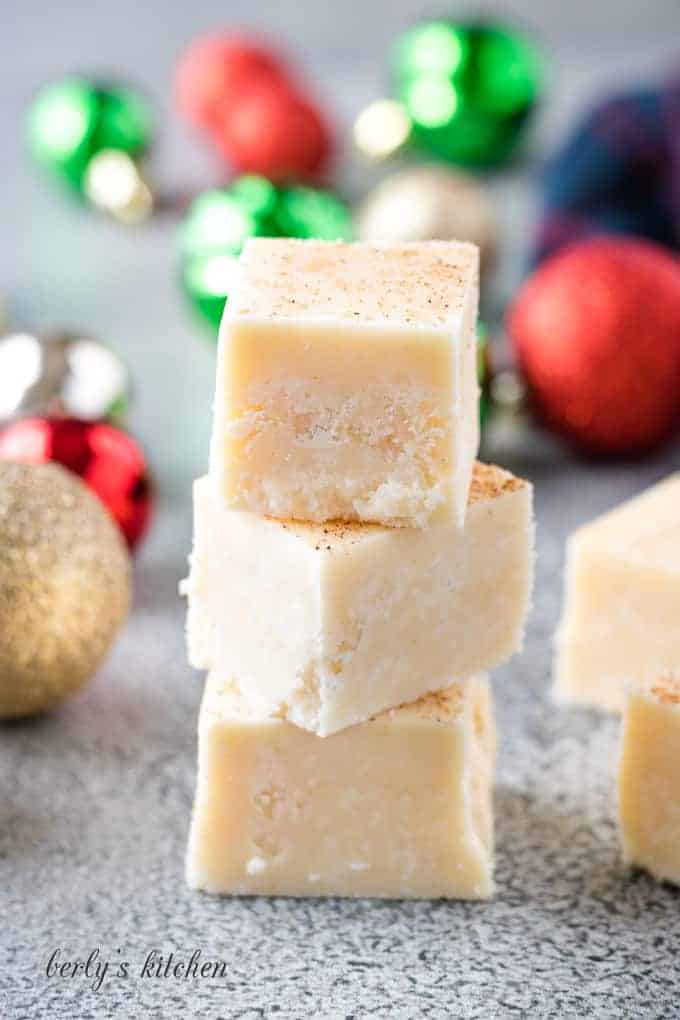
x,y
645,530
420,285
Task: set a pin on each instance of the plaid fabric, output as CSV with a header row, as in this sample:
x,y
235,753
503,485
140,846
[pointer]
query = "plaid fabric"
x,y
619,172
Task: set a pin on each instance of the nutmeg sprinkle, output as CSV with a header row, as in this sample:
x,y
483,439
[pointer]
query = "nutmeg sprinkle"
x,y
420,284
666,689
489,482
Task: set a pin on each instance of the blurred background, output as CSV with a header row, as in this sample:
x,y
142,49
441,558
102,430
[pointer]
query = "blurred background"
x,y
64,266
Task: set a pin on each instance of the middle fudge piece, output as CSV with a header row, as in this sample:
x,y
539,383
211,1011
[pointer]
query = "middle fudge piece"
x,y
328,624
347,382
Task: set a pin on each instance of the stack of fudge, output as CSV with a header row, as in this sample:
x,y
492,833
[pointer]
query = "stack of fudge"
x,y
355,574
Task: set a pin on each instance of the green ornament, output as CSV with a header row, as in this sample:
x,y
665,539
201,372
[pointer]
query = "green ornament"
x,y
206,280
214,230
124,121
61,124
469,88
72,121
219,222
484,372
310,213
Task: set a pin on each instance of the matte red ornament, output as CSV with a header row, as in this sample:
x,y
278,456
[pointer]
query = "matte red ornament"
x,y
596,331
275,131
107,459
214,70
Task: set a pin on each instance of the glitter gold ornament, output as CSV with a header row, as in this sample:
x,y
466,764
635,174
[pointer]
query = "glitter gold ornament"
x,y
64,586
429,203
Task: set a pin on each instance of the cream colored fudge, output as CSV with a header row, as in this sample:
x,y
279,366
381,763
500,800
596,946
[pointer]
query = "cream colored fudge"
x,y
346,382
328,624
398,806
622,600
649,778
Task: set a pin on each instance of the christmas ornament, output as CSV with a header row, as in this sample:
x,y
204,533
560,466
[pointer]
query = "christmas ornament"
x,y
218,223
64,586
427,203
63,374
245,99
93,136
484,372
596,331
468,87
274,131
214,70
108,461
616,173
311,213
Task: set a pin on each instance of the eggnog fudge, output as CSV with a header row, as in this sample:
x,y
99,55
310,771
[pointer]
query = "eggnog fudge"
x,y
622,600
398,806
347,383
649,778
327,624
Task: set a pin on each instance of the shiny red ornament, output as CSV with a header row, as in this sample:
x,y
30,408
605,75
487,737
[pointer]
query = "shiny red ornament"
x,y
214,70
108,460
596,331
275,131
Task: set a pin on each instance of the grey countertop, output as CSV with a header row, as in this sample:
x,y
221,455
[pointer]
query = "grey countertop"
x,y
95,799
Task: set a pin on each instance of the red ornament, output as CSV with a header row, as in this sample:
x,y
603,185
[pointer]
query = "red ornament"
x,y
242,95
596,331
273,131
108,460
215,69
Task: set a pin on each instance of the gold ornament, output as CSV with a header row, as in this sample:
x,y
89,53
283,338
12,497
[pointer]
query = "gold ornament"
x,y
65,586
429,203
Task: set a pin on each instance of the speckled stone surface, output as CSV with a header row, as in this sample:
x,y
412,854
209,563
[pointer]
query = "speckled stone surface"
x,y
95,799
94,807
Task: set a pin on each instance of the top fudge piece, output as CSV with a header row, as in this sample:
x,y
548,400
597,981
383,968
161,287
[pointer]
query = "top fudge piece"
x,y
622,605
347,382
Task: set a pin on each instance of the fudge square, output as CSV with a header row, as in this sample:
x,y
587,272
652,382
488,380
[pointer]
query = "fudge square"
x,y
621,621
398,806
649,778
347,382
327,624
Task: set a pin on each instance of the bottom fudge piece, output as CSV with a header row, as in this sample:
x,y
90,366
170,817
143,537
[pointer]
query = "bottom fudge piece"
x,y
622,600
398,806
649,779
